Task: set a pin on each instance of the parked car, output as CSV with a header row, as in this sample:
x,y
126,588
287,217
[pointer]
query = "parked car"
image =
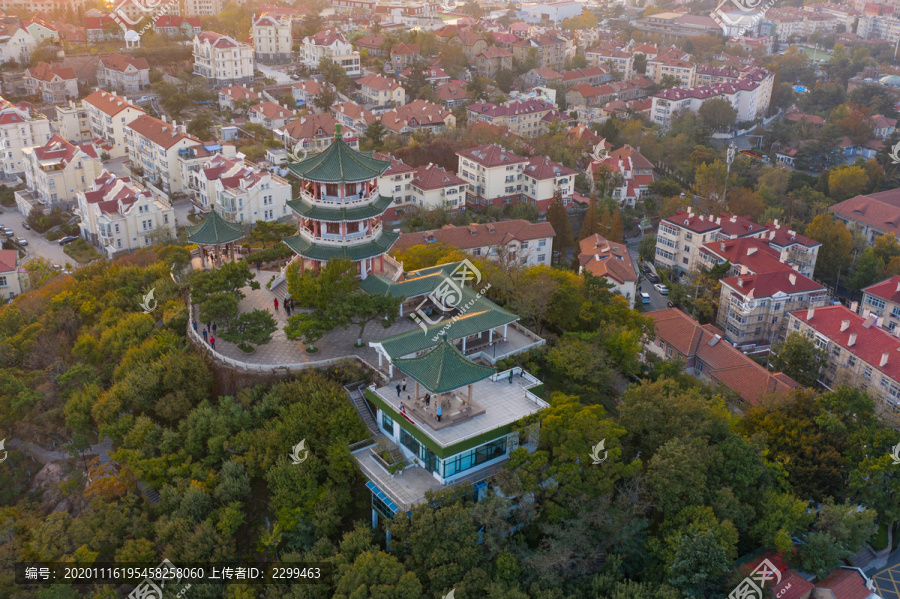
x,y
22,241
26,226
671,305
652,278
663,290
8,232
67,239
645,297
647,270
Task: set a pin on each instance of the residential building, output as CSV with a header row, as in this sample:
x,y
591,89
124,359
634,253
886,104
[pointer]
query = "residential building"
x,y
305,93
201,8
470,42
402,55
542,178
796,250
14,279
314,133
54,84
272,41
882,126
528,118
590,75
550,49
333,46
433,187
681,237
451,95
41,30
610,260
746,255
883,300
611,56
222,59
492,60
860,353
419,115
541,76
672,66
21,126
239,192
102,29
153,147
847,582
675,26
381,91
270,115
352,115
175,26
493,175
872,215
16,44
705,356
109,114
433,75
627,171
229,97
511,241
118,216
753,309
73,123
123,74
396,183
57,171
372,44
192,159
340,209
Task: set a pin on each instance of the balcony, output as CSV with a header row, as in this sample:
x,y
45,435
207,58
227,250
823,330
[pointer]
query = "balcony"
x,y
339,239
353,200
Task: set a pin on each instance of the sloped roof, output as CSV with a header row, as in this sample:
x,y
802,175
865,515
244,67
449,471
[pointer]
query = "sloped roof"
x,y
604,258
160,133
339,163
214,230
880,210
120,62
443,368
318,251
767,284
8,260
47,72
492,155
108,103
317,212
432,176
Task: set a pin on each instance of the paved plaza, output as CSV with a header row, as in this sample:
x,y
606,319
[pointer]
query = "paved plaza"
x,y
887,581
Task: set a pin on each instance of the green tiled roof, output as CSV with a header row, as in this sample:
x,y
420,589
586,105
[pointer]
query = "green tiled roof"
x,y
483,315
338,214
339,163
214,230
443,369
320,251
408,289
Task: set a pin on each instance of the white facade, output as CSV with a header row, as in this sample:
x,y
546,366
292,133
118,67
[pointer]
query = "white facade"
x,y
222,59
19,46
201,8
272,41
19,129
108,115
73,123
123,74
333,46
239,192
57,171
154,146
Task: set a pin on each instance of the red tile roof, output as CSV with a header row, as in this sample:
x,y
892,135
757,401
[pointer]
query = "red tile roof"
x,y
889,289
46,72
417,113
739,226
492,155
271,110
307,127
378,83
239,92
695,223
451,91
846,583
542,168
722,362
120,62
8,260
782,236
753,253
604,258
434,177
58,148
108,103
880,210
492,52
163,134
768,284
475,236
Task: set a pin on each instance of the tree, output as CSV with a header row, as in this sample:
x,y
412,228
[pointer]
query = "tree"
x,y
201,126
374,134
709,186
799,358
867,270
175,104
335,75
362,308
254,327
837,242
310,327
647,248
846,181
558,217
717,114
640,63
745,201
591,222
504,80
219,306
616,226
325,99
838,532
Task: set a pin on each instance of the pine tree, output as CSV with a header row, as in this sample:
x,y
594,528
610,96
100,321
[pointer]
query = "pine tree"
x,y
616,226
557,216
591,221
605,220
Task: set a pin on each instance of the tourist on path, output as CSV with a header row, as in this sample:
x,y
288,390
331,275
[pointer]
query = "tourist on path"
x,y
204,335
398,389
276,305
195,326
214,327
439,413
212,342
404,383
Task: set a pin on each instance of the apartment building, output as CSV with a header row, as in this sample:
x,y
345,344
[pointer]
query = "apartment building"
x,y
542,178
230,96
315,132
753,309
16,44
515,241
433,187
304,92
239,192
451,95
528,118
611,56
492,60
333,46
681,237
270,115
493,175
551,50
470,42
419,115
222,59
153,147
381,91
14,279
58,170
798,251
402,55
272,40
611,261
668,64
705,356
73,123
54,84
708,76
123,74
20,127
434,75
351,114
118,216
861,354
194,158
103,28
109,114
201,8
872,215
749,96
883,300
633,171
396,183
176,26
41,30
675,26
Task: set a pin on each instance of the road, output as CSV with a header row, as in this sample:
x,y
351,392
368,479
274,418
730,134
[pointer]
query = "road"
x,y
657,300
37,245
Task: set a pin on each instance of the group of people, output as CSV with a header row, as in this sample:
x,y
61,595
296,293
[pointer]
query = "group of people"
x,y
401,387
209,332
288,307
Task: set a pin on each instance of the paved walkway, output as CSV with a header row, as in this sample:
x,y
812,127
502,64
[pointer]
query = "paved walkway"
x,y
281,350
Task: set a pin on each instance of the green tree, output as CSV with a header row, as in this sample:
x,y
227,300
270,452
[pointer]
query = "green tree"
x,y
325,99
839,531
219,306
374,134
254,327
799,358
591,222
867,270
361,308
647,248
718,114
837,243
558,217
201,126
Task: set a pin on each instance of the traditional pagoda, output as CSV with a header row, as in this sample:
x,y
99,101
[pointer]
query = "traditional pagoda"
x,y
214,235
340,209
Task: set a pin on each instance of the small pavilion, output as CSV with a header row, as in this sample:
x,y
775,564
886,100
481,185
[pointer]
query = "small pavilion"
x,y
440,374
215,237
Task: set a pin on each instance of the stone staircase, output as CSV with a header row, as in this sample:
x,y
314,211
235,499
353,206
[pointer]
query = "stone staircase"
x,y
149,493
357,398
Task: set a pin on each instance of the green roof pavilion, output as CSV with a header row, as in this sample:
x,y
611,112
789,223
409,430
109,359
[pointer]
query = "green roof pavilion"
x,y
214,230
443,368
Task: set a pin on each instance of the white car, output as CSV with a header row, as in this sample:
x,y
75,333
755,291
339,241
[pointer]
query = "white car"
x,y
663,290
645,297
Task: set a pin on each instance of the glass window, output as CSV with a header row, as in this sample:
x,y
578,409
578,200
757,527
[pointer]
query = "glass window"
x,y
387,423
474,457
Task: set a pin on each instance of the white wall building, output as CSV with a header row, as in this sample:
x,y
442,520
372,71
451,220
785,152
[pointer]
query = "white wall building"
x,y
16,44
332,45
123,73
153,146
19,128
58,170
239,192
272,41
109,114
73,123
222,59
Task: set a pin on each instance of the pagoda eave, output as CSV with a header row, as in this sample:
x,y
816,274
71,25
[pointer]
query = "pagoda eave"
x,y
359,251
338,214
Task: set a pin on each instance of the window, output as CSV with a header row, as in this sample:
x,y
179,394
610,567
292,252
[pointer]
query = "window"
x,y
542,243
874,301
474,457
2,281
684,260
541,257
867,372
687,248
688,236
387,423
699,367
